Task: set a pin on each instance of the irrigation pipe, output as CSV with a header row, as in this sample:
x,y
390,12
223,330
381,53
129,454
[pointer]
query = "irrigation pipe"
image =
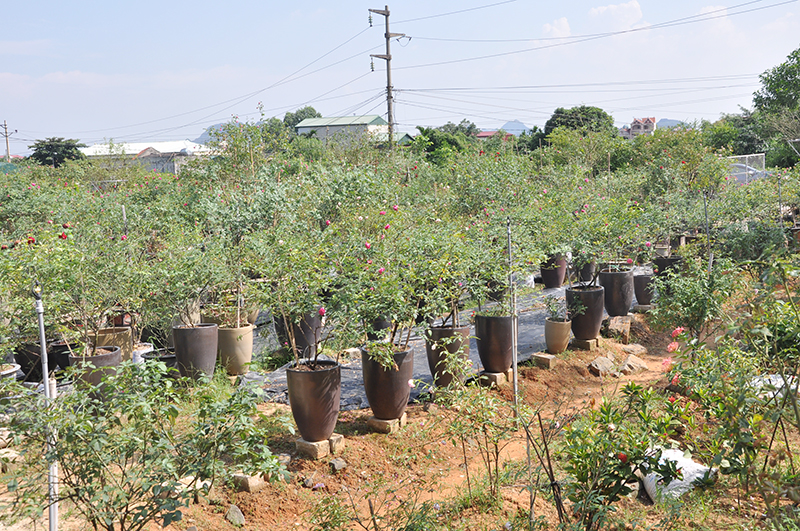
x,y
52,475
514,317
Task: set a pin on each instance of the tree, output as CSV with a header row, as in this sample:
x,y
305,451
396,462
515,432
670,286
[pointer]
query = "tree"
x,y
591,118
742,134
55,151
291,119
466,127
780,86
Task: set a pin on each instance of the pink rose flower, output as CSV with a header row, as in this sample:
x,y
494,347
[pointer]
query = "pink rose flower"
x,y
322,311
381,270
672,347
678,331
368,245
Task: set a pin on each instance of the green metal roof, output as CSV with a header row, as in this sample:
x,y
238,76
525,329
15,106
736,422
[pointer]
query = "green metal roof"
x,y
340,121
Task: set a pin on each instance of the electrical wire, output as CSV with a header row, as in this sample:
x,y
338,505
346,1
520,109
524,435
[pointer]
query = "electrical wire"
x,y
454,12
676,22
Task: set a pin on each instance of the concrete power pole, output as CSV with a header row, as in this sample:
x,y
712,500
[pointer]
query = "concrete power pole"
x,y
7,134
388,58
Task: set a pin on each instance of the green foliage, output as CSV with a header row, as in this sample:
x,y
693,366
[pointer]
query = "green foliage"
x,y
692,297
440,147
291,119
55,151
465,127
580,117
780,86
121,459
604,450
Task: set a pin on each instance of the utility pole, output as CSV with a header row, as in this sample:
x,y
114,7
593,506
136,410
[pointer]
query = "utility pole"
x,y
7,134
388,58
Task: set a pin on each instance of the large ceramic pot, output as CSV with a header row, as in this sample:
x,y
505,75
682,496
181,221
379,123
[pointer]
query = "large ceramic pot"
x,y
619,291
378,329
196,349
314,398
495,340
439,342
8,370
662,265
586,272
556,335
307,333
643,289
92,369
587,324
166,356
553,270
235,348
29,358
388,390
120,336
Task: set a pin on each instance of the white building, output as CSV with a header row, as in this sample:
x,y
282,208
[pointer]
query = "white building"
x,y
344,126
159,156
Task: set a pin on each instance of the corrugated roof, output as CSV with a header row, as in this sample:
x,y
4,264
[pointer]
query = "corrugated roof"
x,y
134,148
367,119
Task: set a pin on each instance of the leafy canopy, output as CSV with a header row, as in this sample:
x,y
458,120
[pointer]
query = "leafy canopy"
x,y
55,151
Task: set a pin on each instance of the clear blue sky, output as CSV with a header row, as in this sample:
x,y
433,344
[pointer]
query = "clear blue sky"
x,y
145,70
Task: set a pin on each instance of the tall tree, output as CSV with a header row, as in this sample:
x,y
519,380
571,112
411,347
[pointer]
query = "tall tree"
x,y
466,127
780,86
291,119
583,116
55,151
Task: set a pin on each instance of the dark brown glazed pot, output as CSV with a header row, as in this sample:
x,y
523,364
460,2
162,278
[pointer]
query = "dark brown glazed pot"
x,y
436,351
643,289
586,325
619,291
196,349
92,369
553,270
307,333
388,390
314,397
495,337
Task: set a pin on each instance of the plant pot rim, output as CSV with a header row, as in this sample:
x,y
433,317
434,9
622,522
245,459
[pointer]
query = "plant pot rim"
x,y
248,325
196,325
565,321
584,287
483,316
449,327
331,365
607,270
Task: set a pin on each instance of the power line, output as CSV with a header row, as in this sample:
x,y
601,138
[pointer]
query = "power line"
x,y
677,22
455,12
239,99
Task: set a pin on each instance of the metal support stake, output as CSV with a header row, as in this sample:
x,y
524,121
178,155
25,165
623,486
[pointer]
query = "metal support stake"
x,y
515,317
52,476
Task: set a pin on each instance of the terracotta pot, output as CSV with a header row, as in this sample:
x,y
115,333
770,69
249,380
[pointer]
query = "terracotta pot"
x,y
553,270
643,289
556,335
235,348
387,390
495,337
437,351
619,291
196,349
586,325
314,397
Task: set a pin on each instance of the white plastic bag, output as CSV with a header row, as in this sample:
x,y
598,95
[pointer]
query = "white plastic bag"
x,y
677,487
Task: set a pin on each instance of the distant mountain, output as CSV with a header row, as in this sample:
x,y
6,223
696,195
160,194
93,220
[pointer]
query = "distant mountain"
x,y
206,136
666,123
516,128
